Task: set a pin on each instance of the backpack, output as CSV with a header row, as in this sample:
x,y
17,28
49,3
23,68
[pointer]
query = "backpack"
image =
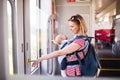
x,y
90,63
82,67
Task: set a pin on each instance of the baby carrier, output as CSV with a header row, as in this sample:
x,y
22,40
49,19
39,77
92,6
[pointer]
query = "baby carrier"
x,y
61,59
75,66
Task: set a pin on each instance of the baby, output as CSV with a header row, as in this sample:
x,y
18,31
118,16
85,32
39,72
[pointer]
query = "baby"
x,y
61,40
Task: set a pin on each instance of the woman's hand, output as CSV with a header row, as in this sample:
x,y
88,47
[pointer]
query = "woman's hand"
x,y
36,62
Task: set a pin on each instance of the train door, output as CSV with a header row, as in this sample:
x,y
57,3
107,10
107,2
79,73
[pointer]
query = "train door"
x,y
36,15
24,35
15,38
30,27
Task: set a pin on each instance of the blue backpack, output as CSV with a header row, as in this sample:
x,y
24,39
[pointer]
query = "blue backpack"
x,y
90,63
87,66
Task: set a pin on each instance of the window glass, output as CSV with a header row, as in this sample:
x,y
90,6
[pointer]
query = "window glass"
x,y
34,30
10,46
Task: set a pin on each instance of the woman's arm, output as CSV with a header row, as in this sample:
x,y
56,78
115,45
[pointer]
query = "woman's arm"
x,y
66,50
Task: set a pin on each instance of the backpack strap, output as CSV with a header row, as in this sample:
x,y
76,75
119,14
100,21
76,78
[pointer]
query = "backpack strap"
x,y
86,38
64,45
89,45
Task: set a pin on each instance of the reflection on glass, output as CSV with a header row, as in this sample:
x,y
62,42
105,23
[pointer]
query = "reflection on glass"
x,y
10,38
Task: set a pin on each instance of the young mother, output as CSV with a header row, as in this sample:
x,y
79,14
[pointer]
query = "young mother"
x,y
78,28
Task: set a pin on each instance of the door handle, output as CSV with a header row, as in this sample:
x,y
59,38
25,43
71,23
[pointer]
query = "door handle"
x,y
28,60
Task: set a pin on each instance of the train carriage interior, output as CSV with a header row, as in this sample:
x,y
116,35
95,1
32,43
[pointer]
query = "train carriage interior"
x,y
29,26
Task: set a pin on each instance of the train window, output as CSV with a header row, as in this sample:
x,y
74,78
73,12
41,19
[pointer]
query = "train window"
x,y
10,47
34,30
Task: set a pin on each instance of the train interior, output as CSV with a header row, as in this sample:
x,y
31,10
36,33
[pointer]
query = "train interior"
x,y
29,26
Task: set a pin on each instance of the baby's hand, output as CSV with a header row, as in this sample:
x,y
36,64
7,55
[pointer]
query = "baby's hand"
x,y
55,42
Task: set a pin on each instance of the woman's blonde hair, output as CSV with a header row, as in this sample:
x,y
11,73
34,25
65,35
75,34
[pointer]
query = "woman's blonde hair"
x,y
78,19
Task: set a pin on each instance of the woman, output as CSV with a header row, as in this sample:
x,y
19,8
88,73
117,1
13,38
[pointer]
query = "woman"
x,y
77,27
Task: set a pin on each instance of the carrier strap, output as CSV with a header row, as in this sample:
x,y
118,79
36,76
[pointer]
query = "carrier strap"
x,y
73,63
64,45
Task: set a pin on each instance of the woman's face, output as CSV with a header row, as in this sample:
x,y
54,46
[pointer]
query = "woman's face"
x,y
74,27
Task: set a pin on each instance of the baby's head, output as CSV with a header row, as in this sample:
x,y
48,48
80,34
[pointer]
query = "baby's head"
x,y
59,38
